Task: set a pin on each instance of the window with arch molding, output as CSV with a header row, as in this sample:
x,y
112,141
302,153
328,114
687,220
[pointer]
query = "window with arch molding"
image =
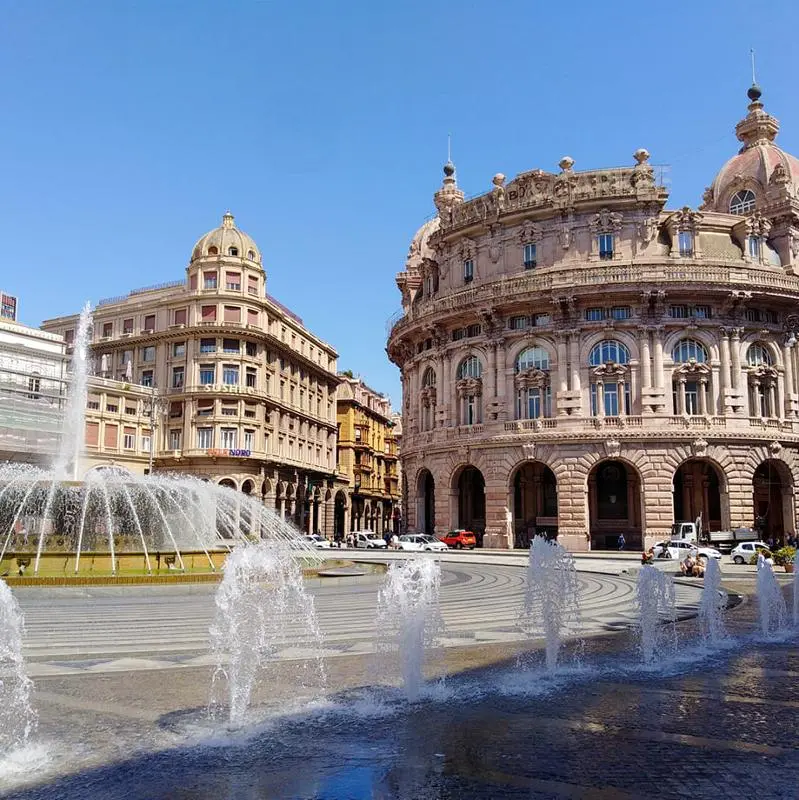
x,y
742,202
251,255
532,358
609,350
758,354
470,367
429,378
689,350
233,251
213,250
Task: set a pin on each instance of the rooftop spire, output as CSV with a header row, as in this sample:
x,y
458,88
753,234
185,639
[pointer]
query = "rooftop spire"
x,y
449,194
757,127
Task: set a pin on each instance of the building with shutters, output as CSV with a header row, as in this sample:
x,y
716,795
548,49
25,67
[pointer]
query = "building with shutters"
x,y
580,359
244,393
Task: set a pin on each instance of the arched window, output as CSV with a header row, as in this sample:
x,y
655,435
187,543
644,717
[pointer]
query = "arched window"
x,y
251,255
758,354
213,250
470,367
532,358
609,351
428,399
742,202
233,251
429,378
689,350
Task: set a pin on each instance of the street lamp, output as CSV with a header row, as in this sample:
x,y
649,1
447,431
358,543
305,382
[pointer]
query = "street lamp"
x,y
355,502
158,406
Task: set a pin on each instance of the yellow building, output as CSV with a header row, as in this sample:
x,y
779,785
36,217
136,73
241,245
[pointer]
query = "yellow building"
x,y
367,460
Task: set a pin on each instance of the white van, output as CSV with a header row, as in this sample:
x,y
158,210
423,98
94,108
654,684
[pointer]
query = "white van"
x,y
369,540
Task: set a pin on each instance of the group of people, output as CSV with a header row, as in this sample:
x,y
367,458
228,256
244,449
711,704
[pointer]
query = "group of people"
x,y
691,566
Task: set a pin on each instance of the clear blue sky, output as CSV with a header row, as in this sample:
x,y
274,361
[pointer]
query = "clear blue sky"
x,y
130,127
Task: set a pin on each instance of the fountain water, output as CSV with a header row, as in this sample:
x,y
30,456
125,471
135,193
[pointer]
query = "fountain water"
x,y
550,602
712,604
796,596
656,604
261,605
17,717
771,603
409,618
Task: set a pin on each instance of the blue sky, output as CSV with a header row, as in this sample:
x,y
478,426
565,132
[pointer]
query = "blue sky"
x,y
130,127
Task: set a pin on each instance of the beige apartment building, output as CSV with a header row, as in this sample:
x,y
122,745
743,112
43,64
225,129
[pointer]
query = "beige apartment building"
x,y
368,459
579,359
243,394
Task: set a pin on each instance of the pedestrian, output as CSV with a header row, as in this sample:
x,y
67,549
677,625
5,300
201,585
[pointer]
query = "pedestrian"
x,y
621,541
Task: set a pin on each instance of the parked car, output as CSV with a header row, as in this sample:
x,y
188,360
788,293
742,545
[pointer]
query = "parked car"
x,y
317,541
745,550
678,549
459,539
368,540
420,541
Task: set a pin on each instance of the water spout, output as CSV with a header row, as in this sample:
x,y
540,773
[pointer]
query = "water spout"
x,y
771,603
712,604
656,605
409,618
550,602
796,596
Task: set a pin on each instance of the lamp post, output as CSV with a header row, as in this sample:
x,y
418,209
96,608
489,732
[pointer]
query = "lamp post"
x,y
157,407
355,501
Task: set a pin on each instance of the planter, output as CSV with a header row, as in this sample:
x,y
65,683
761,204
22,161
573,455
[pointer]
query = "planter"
x,y
789,567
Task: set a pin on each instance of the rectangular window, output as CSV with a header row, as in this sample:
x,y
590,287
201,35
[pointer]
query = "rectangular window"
x,y
148,353
176,410
468,271
207,345
146,378
69,336
231,346
621,312
209,280
129,439
611,395
179,350
127,325
208,313
233,281
146,442
252,285
251,349
605,246
769,316
594,314
110,436
678,312
178,374
181,315
249,411
529,256
457,335
518,323
193,282
252,318
230,409
112,405
130,411
702,312
207,374
252,377
686,243
108,329
471,410
752,315
232,314
230,374
205,438
92,434
249,440
149,322
175,438
473,330
205,408
542,319
754,247
229,438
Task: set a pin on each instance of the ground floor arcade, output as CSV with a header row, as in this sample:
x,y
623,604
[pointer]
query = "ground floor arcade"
x,y
590,494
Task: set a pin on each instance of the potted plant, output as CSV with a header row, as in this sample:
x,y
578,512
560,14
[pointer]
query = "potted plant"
x,y
784,557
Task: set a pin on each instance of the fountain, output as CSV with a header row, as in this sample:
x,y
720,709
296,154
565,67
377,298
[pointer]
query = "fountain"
x,y
409,619
17,717
771,603
114,521
712,604
261,605
550,602
656,603
796,597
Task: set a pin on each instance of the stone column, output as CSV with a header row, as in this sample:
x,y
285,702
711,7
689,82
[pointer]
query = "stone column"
x,y
646,361
600,399
620,393
787,358
772,399
658,358
755,409
563,374
735,345
491,377
443,399
501,367
575,361
725,360
681,397
703,397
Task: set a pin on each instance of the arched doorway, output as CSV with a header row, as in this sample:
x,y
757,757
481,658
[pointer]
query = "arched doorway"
x,y
426,503
228,482
339,516
247,487
535,503
697,492
772,488
614,506
471,499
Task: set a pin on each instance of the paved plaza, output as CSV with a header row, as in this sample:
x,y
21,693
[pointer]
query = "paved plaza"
x,y
122,683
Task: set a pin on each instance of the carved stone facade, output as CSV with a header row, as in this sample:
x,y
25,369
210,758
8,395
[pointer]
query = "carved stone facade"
x,y
602,364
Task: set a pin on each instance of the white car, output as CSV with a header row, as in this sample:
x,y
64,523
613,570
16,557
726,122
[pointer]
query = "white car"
x,y
420,541
678,549
315,540
743,553
369,540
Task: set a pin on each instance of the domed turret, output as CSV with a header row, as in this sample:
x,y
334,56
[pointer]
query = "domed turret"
x,y
228,241
760,172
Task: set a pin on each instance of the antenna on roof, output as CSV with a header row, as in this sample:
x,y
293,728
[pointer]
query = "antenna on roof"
x,y
449,147
752,54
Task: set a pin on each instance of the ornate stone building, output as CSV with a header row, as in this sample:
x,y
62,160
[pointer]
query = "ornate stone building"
x,y
578,358
245,393
367,460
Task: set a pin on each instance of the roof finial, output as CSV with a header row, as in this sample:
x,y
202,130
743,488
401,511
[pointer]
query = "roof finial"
x,y
754,90
449,147
752,54
449,167
227,220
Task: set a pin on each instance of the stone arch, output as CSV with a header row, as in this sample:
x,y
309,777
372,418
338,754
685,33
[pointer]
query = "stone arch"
x,y
615,503
595,337
340,515
756,337
266,487
533,502
704,337
425,501
462,354
228,482
248,486
697,491
467,500
518,347
774,499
